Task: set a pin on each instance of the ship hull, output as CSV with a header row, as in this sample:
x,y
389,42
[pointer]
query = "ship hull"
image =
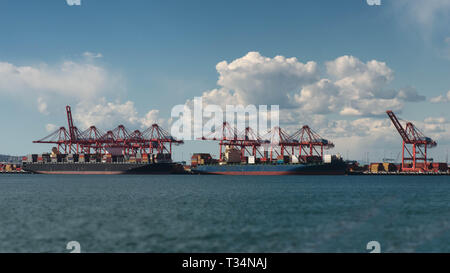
x,y
273,169
104,168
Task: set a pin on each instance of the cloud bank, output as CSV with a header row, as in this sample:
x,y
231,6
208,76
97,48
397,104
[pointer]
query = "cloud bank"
x,y
84,84
69,79
349,87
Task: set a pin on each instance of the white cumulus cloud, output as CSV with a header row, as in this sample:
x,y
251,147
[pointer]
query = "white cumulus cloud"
x,y
321,97
108,115
410,94
150,118
255,79
441,98
42,106
355,88
73,2
439,120
51,127
350,86
69,79
91,55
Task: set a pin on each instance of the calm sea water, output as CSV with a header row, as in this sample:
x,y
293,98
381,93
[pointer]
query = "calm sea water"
x,y
41,213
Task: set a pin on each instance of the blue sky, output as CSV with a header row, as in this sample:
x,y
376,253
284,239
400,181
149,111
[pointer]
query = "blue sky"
x,y
157,54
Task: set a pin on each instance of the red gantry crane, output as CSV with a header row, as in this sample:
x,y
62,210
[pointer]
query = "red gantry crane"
x,y
414,147
229,137
248,142
249,139
118,140
59,137
278,141
310,143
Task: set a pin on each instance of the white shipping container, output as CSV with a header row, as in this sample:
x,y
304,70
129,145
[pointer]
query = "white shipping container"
x,y
327,158
294,159
251,159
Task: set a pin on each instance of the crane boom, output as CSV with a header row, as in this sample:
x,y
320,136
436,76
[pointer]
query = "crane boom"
x,y
398,126
70,123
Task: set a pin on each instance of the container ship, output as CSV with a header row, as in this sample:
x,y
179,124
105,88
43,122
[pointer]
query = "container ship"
x,y
117,151
331,165
276,153
100,164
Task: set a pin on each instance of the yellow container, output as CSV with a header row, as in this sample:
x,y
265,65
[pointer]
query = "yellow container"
x,y
375,167
389,167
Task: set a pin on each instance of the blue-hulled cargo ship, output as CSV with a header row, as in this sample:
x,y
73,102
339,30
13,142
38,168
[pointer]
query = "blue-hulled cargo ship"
x,y
334,166
337,168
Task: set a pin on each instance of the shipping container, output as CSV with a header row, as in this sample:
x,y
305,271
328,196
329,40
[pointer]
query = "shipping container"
x,y
376,167
440,167
251,160
389,167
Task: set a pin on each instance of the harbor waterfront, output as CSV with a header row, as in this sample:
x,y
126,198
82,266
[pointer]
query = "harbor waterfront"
x,y
241,152
194,213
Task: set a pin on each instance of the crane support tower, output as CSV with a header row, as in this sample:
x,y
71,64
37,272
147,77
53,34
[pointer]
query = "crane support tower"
x,y
247,141
310,143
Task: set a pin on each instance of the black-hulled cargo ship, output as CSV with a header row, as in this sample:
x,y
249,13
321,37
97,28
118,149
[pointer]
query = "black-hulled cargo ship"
x,y
100,164
103,168
117,151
